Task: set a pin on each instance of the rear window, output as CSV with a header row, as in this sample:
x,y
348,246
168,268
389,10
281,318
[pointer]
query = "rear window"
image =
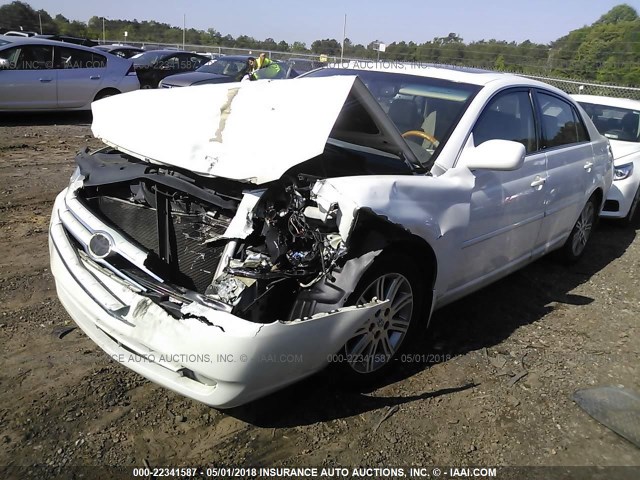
x,y
561,124
76,58
614,122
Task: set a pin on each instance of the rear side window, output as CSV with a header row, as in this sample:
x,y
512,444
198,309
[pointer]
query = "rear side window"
x,y
616,123
75,58
509,116
561,123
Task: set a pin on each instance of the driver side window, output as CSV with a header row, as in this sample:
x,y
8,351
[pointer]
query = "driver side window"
x,y
508,116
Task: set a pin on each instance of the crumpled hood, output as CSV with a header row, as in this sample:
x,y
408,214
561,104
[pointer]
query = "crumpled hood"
x,y
250,131
621,150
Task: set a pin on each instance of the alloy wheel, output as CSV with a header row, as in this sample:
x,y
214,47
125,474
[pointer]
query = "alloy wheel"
x,y
583,229
377,341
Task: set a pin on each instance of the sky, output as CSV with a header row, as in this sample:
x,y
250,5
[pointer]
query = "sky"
x,y
540,21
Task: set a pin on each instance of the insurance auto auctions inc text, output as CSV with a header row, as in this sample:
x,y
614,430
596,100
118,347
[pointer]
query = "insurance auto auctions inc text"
x,y
356,472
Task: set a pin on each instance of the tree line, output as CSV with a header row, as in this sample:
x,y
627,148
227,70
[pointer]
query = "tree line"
x,y
607,51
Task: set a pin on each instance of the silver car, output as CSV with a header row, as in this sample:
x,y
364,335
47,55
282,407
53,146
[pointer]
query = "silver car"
x,y
49,75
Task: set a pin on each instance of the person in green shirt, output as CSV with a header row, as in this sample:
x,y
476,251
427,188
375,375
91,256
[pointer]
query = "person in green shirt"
x,y
264,67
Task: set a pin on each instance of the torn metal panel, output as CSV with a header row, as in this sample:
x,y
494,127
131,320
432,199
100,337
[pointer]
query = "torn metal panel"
x,y
241,225
429,207
163,334
432,208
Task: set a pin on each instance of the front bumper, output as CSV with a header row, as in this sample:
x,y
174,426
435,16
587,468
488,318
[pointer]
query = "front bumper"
x,y
209,355
621,195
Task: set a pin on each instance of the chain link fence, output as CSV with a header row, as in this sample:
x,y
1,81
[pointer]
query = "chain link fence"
x,y
586,88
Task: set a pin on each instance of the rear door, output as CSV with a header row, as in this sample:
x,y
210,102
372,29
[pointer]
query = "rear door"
x,y
29,80
80,76
570,163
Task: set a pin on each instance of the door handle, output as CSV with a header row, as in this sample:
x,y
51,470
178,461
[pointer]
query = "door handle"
x,y
95,77
538,181
588,165
45,80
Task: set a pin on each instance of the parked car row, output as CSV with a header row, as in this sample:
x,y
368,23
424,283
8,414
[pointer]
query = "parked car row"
x,y
233,68
228,269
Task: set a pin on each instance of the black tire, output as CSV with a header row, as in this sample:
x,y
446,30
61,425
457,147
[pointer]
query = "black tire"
x,y
575,245
628,220
371,352
109,92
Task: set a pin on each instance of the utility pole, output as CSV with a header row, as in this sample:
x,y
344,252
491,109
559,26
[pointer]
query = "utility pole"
x,y
184,28
40,18
104,37
344,35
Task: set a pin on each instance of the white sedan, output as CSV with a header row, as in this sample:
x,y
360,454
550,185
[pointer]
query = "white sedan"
x,y
225,252
618,119
37,74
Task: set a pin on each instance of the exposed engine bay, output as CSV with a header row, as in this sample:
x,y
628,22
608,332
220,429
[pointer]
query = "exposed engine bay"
x,y
209,238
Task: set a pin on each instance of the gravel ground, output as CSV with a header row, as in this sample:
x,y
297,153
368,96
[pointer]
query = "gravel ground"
x,y
491,383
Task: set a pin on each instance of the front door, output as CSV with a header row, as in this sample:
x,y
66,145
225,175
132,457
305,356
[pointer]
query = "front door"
x,y
507,207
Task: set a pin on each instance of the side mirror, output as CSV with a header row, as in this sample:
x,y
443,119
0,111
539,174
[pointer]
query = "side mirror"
x,y
494,155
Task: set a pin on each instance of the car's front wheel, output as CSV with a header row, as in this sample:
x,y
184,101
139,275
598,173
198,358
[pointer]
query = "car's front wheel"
x,y
381,337
575,245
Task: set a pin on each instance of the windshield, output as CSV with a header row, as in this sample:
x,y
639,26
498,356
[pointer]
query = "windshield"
x,y
424,109
615,123
224,66
147,58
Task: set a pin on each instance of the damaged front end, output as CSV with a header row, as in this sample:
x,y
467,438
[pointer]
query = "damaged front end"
x,y
248,252
209,281
163,269
147,272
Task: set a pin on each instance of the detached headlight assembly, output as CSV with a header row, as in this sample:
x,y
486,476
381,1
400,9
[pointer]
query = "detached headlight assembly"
x,y
623,171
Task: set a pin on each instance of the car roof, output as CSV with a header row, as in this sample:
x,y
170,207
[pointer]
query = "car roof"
x,y
235,57
167,52
10,38
296,59
38,41
115,46
474,76
19,33
42,41
608,101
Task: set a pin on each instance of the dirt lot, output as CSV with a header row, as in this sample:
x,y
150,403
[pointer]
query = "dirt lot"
x,y
63,402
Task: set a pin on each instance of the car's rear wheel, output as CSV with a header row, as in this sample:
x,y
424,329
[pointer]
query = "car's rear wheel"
x,y
369,353
108,92
575,245
632,209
